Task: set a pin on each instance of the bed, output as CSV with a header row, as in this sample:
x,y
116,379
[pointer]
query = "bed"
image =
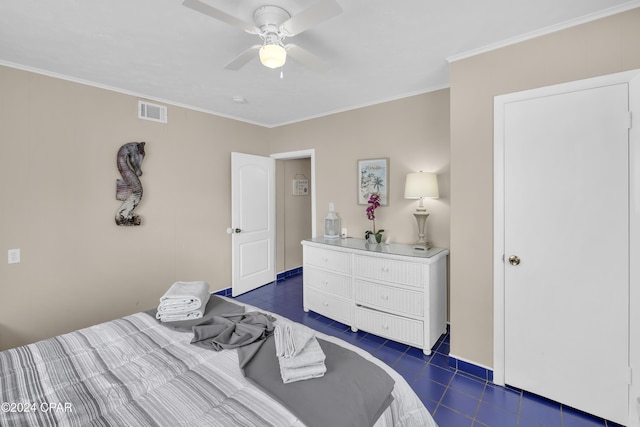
x,y
135,371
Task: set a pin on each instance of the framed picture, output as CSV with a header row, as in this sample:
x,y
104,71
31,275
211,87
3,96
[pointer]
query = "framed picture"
x,y
373,177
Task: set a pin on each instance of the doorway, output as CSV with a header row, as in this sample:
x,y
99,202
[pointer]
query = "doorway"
x,y
295,206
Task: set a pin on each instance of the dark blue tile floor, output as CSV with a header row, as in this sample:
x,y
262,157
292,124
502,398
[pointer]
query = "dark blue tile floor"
x,y
455,398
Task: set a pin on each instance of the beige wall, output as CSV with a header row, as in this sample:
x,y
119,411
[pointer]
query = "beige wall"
x,y
601,47
412,132
58,145
294,213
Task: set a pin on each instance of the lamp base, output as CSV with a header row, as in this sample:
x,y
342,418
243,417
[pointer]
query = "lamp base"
x,y
421,218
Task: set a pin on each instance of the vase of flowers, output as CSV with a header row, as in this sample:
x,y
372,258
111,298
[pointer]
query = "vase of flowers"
x,y
374,203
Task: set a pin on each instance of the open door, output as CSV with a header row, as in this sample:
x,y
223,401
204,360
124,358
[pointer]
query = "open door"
x,y
253,221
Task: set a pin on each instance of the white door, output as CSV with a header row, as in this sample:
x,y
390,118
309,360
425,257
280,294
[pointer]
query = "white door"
x,y
253,221
566,242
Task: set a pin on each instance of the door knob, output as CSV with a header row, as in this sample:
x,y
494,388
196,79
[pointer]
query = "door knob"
x,y
233,230
514,260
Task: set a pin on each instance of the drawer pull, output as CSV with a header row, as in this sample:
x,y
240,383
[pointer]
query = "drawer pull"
x,y
325,259
325,282
385,269
384,297
326,303
385,327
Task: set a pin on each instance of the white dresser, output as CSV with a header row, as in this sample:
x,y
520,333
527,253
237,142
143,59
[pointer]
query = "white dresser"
x,y
393,291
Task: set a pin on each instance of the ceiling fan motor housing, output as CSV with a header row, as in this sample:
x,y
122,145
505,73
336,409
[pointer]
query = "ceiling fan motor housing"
x,y
268,19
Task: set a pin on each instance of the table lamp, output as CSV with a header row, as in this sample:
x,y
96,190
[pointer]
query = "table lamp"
x,y
420,185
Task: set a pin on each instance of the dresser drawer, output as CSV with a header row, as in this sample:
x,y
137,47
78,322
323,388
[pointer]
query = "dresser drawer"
x,y
329,305
397,328
389,270
329,259
389,298
327,281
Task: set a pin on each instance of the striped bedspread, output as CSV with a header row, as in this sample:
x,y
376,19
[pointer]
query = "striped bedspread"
x,y
133,371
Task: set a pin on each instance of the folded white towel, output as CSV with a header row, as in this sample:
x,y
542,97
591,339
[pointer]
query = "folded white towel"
x,y
183,301
310,355
184,296
307,364
186,315
290,338
301,374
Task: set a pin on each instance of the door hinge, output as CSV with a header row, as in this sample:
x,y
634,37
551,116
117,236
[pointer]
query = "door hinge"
x,y
630,121
629,376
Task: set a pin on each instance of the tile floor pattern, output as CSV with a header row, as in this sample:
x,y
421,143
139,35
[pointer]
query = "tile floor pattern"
x,y
454,398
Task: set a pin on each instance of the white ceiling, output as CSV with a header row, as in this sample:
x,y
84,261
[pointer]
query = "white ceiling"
x,y
376,50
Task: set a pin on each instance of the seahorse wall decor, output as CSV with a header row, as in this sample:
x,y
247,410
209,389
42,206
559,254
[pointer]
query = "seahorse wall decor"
x,y
129,188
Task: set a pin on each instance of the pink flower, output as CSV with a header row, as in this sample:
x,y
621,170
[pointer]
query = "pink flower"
x,y
374,203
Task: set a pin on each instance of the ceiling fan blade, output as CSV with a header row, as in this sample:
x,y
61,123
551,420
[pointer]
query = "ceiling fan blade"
x,y
313,15
243,59
220,15
306,58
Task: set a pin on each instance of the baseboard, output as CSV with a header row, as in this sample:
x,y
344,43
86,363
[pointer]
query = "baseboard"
x,y
289,273
223,292
280,276
460,364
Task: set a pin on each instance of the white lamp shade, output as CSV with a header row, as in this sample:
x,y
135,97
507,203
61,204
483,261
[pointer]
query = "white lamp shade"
x,y
273,55
421,185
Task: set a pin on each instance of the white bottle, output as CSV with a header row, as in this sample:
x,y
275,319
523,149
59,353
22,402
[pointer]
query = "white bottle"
x,y
331,224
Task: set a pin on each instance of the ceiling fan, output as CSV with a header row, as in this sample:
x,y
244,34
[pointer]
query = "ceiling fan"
x,y
273,24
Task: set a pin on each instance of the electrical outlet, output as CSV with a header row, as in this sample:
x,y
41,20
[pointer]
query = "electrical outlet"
x,y
14,256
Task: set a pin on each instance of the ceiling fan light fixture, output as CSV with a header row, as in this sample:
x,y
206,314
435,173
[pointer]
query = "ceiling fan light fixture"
x,y
273,55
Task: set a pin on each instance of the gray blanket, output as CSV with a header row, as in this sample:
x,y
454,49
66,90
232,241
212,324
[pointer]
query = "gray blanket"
x,y
230,331
353,392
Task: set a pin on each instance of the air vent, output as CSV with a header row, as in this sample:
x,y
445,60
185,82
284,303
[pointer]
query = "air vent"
x,y
154,112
